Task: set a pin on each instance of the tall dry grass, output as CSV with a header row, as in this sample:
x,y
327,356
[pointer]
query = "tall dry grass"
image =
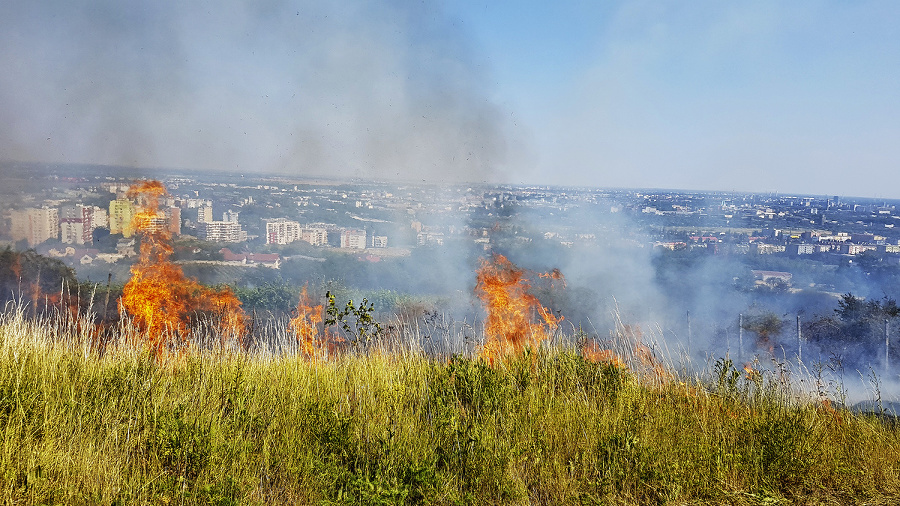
x,y
112,425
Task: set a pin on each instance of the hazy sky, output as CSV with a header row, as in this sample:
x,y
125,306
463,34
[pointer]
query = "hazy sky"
x,y
795,96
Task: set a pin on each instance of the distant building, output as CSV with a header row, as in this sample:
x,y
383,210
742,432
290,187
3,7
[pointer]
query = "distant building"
x,y
856,249
230,216
353,239
282,231
173,220
204,214
268,259
34,225
222,231
430,239
314,235
157,223
121,212
379,241
800,249
76,224
100,218
767,276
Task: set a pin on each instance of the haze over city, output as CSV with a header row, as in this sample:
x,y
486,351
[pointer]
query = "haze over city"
x,y
762,96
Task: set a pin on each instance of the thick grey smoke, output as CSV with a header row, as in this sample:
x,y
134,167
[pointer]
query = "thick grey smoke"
x,y
385,89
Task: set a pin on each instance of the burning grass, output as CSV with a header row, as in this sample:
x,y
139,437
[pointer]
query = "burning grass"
x,y
515,318
525,419
163,301
221,426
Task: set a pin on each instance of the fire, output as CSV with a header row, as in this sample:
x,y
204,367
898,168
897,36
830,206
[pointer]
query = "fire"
x,y
511,309
306,327
555,275
162,300
593,352
751,373
630,353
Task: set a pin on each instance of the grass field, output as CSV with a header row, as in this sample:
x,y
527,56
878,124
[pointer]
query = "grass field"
x,y
546,427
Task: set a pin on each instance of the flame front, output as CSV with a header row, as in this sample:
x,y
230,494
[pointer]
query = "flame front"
x,y
593,352
161,298
310,340
511,309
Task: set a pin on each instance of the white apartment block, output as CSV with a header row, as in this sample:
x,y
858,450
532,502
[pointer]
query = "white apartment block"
x,y
222,231
353,239
34,225
282,231
100,218
379,241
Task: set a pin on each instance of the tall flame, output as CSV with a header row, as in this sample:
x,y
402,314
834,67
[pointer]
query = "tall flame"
x,y
161,298
311,342
512,311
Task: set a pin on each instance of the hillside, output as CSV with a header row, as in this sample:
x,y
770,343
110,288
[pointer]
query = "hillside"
x,y
220,426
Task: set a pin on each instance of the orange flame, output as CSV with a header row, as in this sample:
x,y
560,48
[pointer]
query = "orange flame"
x,y
306,327
555,274
511,308
161,298
632,354
751,373
594,353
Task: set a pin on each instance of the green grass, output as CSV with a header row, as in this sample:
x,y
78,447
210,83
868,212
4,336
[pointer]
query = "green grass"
x,y
546,428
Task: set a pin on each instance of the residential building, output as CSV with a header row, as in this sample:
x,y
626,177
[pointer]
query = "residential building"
x,y
353,239
231,216
173,220
379,241
314,235
222,231
34,225
800,249
121,212
76,224
282,231
204,214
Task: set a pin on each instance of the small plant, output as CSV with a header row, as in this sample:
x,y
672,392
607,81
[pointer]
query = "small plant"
x,y
357,322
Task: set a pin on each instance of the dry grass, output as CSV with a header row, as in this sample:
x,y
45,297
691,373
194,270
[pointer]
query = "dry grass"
x,y
227,427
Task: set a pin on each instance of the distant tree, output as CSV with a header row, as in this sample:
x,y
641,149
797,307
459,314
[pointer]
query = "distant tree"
x,y
863,320
766,326
278,298
34,279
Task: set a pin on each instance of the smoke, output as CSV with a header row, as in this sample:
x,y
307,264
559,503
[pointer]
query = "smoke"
x,y
385,89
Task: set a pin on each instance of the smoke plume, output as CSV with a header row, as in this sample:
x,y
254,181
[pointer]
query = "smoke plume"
x,y
384,89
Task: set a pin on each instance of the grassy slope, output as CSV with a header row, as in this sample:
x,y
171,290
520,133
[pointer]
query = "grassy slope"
x,y
549,428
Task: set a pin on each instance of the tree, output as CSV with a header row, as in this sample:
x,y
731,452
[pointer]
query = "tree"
x,y
862,320
34,279
766,326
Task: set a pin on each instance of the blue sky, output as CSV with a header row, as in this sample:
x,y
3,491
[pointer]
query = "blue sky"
x,y
784,96
799,97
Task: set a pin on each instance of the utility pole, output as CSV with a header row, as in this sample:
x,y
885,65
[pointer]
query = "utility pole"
x,y
799,341
887,345
690,336
741,338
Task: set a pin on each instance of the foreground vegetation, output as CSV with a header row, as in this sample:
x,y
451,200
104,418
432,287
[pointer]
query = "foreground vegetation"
x,y
228,427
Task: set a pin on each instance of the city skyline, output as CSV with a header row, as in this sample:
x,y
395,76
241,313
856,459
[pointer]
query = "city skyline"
x,y
796,98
